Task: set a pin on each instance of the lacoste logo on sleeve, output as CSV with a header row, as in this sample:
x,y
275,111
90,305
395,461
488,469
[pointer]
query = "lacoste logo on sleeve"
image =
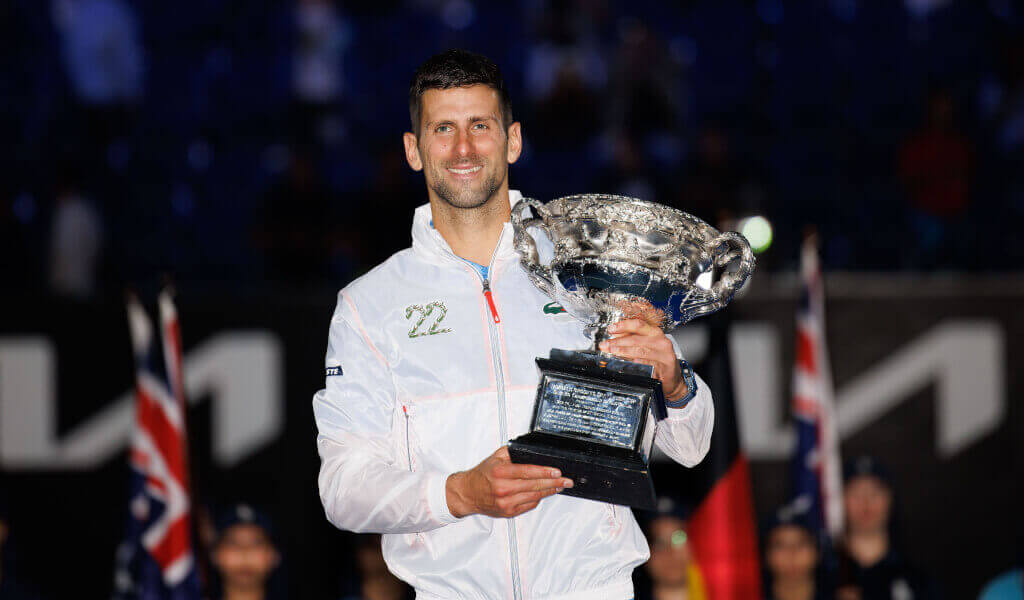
x,y
334,371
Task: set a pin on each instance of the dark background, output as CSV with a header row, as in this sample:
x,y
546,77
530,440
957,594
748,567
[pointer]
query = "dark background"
x,y
148,140
956,515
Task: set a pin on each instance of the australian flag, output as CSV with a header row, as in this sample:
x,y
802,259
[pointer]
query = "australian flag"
x,y
156,559
817,478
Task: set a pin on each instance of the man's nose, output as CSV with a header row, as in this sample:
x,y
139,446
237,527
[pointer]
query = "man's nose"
x,y
463,144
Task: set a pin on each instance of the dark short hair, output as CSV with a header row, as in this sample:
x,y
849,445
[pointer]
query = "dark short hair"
x,y
456,68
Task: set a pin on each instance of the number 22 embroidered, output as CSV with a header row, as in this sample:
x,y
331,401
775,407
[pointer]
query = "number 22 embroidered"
x,y
435,309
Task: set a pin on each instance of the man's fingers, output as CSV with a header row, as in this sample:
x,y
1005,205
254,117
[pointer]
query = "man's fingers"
x,y
502,454
514,471
636,326
658,344
523,508
512,487
640,351
520,503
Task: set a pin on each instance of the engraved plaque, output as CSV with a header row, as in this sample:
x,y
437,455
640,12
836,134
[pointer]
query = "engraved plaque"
x,y
588,410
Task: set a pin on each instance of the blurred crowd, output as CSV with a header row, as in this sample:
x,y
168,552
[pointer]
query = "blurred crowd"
x,y
242,559
257,144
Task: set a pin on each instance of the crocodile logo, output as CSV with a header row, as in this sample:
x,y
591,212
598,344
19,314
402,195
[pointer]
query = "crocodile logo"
x,y
553,308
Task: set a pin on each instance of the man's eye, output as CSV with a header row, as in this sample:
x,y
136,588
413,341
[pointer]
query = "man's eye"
x,y
480,126
443,128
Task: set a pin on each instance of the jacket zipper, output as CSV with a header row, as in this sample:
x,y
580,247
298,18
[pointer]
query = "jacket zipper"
x,y
499,380
490,301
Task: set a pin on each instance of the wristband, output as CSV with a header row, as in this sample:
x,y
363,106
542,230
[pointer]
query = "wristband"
x,y
691,386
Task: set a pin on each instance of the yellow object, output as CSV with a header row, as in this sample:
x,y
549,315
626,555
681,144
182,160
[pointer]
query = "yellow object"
x,y
695,582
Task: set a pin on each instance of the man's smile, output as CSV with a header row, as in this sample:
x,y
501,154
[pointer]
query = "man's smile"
x,y
465,170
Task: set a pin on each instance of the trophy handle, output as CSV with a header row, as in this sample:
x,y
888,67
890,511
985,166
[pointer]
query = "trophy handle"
x,y
727,249
526,246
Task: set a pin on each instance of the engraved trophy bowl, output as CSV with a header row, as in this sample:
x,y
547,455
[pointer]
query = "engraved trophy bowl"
x,y
617,257
613,258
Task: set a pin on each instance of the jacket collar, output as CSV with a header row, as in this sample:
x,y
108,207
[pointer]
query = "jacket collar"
x,y
428,242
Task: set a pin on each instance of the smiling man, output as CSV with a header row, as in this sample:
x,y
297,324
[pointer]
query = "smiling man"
x,y
430,371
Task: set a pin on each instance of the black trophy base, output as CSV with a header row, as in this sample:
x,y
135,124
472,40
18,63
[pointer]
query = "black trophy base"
x,y
591,421
597,473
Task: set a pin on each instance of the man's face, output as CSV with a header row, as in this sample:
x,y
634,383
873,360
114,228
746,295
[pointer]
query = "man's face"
x,y
868,502
791,552
463,148
670,551
245,557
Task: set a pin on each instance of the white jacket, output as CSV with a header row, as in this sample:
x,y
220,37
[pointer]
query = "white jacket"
x,y
423,380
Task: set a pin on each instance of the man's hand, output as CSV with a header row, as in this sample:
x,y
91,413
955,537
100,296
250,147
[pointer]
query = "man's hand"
x,y
641,342
498,488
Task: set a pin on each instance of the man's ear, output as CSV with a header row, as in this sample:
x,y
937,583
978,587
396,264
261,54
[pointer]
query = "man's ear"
x,y
412,151
515,142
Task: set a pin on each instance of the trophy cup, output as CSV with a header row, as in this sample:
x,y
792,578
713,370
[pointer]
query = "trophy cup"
x,y
614,258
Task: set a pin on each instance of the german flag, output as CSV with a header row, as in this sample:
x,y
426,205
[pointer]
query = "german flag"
x,y
722,527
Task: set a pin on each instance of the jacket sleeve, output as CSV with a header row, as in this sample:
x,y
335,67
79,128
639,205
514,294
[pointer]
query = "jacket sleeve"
x,y
685,435
363,485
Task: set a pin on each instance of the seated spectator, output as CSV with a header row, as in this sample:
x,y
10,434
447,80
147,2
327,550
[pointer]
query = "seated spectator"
x,y
671,573
870,566
792,558
244,555
935,166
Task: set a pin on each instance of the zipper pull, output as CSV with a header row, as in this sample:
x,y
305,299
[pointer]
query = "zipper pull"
x,y
490,301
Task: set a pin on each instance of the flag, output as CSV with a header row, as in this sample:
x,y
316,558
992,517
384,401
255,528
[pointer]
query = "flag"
x,y
817,475
156,560
722,528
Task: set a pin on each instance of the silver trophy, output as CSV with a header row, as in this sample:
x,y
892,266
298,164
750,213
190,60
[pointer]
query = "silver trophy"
x,y
614,258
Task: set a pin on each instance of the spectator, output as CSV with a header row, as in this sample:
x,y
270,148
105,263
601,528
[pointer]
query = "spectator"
x,y
629,174
671,573
321,38
716,187
293,228
646,95
870,566
244,555
105,63
566,118
76,239
792,558
375,581
935,165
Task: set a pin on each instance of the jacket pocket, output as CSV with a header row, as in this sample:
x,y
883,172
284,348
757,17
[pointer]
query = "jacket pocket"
x,y
447,434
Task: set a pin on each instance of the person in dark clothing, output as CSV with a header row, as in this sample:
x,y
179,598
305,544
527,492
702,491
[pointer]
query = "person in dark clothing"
x,y
245,555
870,566
793,557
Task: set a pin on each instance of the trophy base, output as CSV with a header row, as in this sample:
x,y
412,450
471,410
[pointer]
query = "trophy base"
x,y
595,420
624,479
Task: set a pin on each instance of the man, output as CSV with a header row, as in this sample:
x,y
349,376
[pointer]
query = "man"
x,y
870,566
430,371
244,554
